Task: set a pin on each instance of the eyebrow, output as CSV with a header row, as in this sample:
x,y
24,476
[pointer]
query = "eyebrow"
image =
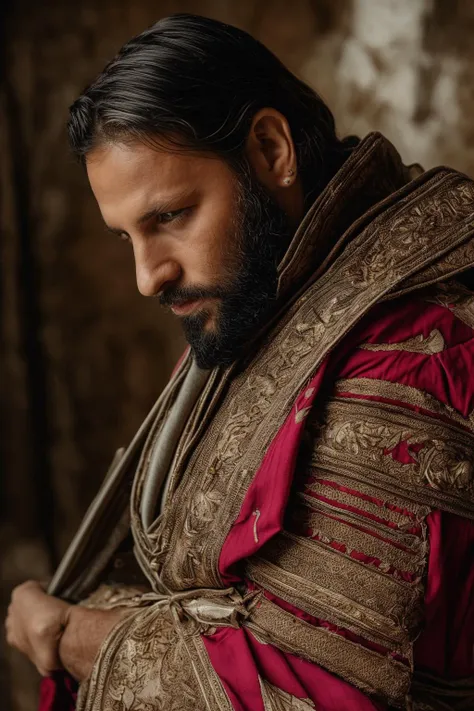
x,y
155,211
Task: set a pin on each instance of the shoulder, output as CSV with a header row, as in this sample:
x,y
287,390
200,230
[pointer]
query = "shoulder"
x,y
417,351
402,400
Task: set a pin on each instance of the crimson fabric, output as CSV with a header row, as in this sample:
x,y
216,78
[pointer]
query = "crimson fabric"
x,y
270,489
58,692
240,659
446,646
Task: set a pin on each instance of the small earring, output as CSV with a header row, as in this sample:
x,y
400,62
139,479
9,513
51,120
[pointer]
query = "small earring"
x,y
291,171
287,181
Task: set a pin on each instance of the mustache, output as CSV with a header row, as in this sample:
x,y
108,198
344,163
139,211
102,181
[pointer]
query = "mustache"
x,y
176,295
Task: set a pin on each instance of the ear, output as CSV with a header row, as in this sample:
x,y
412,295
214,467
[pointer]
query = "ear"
x,y
270,150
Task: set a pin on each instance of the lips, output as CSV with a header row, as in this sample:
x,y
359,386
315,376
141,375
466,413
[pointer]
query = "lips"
x,y
186,307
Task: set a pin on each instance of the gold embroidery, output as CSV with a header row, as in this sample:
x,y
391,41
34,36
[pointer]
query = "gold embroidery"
x,y
301,414
371,672
135,668
412,512
330,530
274,699
431,345
106,597
341,497
362,184
210,683
330,585
145,662
456,298
318,603
403,394
357,439
409,540
452,263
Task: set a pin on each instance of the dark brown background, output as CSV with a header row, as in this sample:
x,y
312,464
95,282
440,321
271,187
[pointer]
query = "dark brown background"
x,y
82,355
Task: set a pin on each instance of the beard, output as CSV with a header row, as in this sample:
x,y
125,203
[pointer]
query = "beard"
x,y
246,298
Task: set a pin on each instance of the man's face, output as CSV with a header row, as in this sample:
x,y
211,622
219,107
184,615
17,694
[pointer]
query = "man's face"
x,y
205,239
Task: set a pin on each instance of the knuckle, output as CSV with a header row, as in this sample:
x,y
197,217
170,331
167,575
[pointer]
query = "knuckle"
x,y
16,592
39,629
22,587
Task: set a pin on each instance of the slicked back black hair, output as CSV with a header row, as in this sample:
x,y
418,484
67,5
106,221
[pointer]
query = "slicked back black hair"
x,y
198,83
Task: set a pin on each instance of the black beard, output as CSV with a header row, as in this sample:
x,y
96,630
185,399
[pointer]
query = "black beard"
x,y
247,298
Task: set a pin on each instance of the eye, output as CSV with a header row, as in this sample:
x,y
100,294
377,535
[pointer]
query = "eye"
x,y
172,216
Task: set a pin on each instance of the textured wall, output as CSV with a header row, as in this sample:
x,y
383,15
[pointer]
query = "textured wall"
x,y
82,356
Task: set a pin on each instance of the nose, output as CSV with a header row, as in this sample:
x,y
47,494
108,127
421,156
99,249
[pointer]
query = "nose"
x,y
153,273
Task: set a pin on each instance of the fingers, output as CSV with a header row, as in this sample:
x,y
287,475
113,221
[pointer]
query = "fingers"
x,y
45,658
28,587
18,613
11,632
34,625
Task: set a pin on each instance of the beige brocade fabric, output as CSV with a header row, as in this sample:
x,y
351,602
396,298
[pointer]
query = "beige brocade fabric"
x,y
155,659
145,665
274,699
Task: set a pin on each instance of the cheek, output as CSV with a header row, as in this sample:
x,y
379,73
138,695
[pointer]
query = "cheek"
x,y
213,246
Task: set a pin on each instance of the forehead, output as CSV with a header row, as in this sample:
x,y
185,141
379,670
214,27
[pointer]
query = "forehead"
x,y
127,178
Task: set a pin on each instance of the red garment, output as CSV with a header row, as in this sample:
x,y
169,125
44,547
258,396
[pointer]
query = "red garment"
x,y
58,692
445,646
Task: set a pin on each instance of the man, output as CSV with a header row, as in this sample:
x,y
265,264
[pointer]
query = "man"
x,y
301,525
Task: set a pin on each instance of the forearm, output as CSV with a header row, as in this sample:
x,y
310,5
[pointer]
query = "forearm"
x,y
83,636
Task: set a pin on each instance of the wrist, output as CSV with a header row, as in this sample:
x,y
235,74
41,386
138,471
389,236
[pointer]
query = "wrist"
x,y
66,614
84,634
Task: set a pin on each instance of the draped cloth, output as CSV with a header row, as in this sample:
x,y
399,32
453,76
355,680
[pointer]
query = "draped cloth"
x,y
315,488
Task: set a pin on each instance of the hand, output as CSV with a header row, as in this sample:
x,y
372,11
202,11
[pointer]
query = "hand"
x,y
35,624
